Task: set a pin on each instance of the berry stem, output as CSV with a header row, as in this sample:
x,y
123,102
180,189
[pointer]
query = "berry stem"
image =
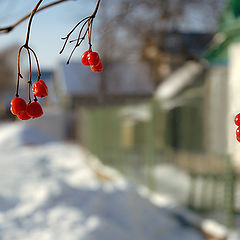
x,y
19,75
30,76
37,62
90,35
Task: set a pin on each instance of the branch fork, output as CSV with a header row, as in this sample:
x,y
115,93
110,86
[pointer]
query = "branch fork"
x,y
85,30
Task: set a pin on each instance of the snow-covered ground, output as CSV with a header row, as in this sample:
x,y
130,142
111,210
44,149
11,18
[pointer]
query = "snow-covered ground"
x,y
50,189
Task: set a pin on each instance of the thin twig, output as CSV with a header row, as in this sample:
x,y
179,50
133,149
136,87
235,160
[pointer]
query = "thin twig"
x,y
77,45
11,27
96,9
69,34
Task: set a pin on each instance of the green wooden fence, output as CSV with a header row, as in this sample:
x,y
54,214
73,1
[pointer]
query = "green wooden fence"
x,y
136,146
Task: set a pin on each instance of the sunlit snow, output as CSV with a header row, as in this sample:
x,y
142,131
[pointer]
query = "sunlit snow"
x,y
59,190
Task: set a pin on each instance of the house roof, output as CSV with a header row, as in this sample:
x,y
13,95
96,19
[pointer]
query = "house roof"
x,y
177,82
118,79
46,75
123,78
77,80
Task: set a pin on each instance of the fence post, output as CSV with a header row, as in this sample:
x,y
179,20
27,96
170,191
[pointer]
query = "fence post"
x,y
229,193
149,146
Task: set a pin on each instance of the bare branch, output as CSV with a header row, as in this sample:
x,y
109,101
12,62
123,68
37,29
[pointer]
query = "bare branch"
x,y
11,27
30,22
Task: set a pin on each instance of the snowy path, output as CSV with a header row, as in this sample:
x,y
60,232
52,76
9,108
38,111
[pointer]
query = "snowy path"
x,y
50,192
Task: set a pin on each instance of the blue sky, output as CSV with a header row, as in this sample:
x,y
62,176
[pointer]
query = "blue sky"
x,y
50,25
47,29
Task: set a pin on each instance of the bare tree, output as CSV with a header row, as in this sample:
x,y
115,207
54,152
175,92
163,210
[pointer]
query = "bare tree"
x,y
139,29
7,69
137,19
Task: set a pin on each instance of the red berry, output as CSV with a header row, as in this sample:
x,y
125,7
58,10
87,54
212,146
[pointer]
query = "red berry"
x,y
238,132
23,116
237,119
93,58
34,110
40,89
85,58
238,138
98,67
18,105
96,70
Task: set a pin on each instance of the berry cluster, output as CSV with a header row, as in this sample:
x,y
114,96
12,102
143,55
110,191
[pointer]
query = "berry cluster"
x,y
237,122
93,60
26,111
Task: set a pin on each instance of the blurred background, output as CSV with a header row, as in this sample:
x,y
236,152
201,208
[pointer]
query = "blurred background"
x,y
144,150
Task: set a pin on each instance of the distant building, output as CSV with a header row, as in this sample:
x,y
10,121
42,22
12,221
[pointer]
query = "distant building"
x,y
120,82
8,69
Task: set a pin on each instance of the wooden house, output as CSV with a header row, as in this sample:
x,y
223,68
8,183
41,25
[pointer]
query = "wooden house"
x,y
79,88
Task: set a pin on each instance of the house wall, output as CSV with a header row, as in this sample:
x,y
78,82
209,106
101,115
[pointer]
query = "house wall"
x,y
216,110
99,129
184,127
222,104
233,90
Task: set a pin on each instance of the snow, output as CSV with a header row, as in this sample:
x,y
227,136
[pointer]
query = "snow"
x,y
58,190
173,182
211,226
